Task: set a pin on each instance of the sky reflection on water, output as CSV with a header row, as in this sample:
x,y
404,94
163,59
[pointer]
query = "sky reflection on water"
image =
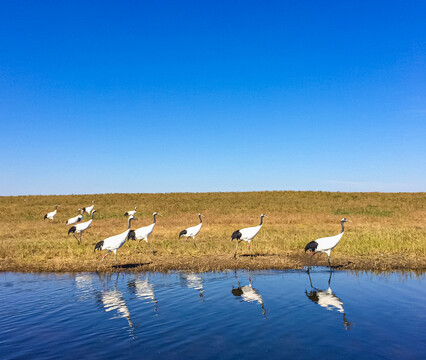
x,y
210,315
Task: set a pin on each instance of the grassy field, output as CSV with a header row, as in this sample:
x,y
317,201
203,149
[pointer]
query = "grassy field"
x,y
387,231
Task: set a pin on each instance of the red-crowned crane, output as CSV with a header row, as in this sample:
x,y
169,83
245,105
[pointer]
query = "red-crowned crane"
x,y
89,209
192,231
325,244
132,212
247,234
80,228
113,243
75,219
143,233
52,214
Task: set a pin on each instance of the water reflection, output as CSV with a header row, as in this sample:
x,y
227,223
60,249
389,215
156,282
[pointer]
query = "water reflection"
x,y
84,285
113,301
327,299
248,293
143,290
193,281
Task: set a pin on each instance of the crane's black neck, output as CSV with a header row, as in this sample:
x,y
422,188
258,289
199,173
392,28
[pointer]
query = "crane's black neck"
x,y
261,221
343,226
201,220
154,215
130,219
93,214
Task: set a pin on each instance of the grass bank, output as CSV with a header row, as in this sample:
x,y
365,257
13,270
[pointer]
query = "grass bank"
x,y
388,231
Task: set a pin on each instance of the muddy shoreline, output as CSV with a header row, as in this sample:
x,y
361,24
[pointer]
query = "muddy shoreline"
x,y
207,263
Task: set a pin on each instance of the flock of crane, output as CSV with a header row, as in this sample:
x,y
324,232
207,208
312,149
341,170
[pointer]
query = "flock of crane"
x,y
113,243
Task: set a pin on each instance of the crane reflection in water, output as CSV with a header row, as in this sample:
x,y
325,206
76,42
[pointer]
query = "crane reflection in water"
x,y
193,281
112,300
327,299
248,293
143,290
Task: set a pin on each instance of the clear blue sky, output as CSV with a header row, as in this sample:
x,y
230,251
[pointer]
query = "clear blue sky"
x,y
170,96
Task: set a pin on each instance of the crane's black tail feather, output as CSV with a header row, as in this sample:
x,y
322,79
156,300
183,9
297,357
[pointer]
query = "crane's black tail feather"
x,y
236,235
72,230
99,245
312,246
131,235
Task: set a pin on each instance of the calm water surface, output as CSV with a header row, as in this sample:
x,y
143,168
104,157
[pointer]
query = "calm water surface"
x,y
279,314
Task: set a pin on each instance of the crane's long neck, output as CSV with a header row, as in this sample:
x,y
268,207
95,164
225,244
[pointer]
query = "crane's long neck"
x,y
201,220
261,221
130,220
343,226
154,217
92,214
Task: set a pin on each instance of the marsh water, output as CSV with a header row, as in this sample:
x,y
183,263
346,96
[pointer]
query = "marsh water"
x,y
178,315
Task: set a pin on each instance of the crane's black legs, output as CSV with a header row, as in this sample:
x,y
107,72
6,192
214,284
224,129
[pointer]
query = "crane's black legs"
x,y
193,241
150,247
235,255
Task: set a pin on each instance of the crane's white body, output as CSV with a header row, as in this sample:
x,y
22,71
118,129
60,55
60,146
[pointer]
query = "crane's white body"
x,y
192,231
143,232
325,244
89,208
75,219
131,213
113,243
247,234
52,214
81,227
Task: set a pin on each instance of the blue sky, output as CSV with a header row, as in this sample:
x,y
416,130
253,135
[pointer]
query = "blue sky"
x,y
172,96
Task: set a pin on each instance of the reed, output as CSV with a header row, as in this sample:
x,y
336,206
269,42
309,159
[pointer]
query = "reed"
x,y
387,232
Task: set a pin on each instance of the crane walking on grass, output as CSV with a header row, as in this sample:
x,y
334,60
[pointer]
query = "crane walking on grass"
x,y
247,234
52,214
80,228
325,244
192,231
132,212
75,219
89,209
113,243
143,233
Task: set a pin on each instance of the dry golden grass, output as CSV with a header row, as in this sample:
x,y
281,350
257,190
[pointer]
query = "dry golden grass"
x,y
387,232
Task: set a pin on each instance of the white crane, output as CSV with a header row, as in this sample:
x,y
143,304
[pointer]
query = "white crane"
x,y
75,219
132,212
80,228
247,234
113,243
325,244
143,232
52,214
89,209
192,231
